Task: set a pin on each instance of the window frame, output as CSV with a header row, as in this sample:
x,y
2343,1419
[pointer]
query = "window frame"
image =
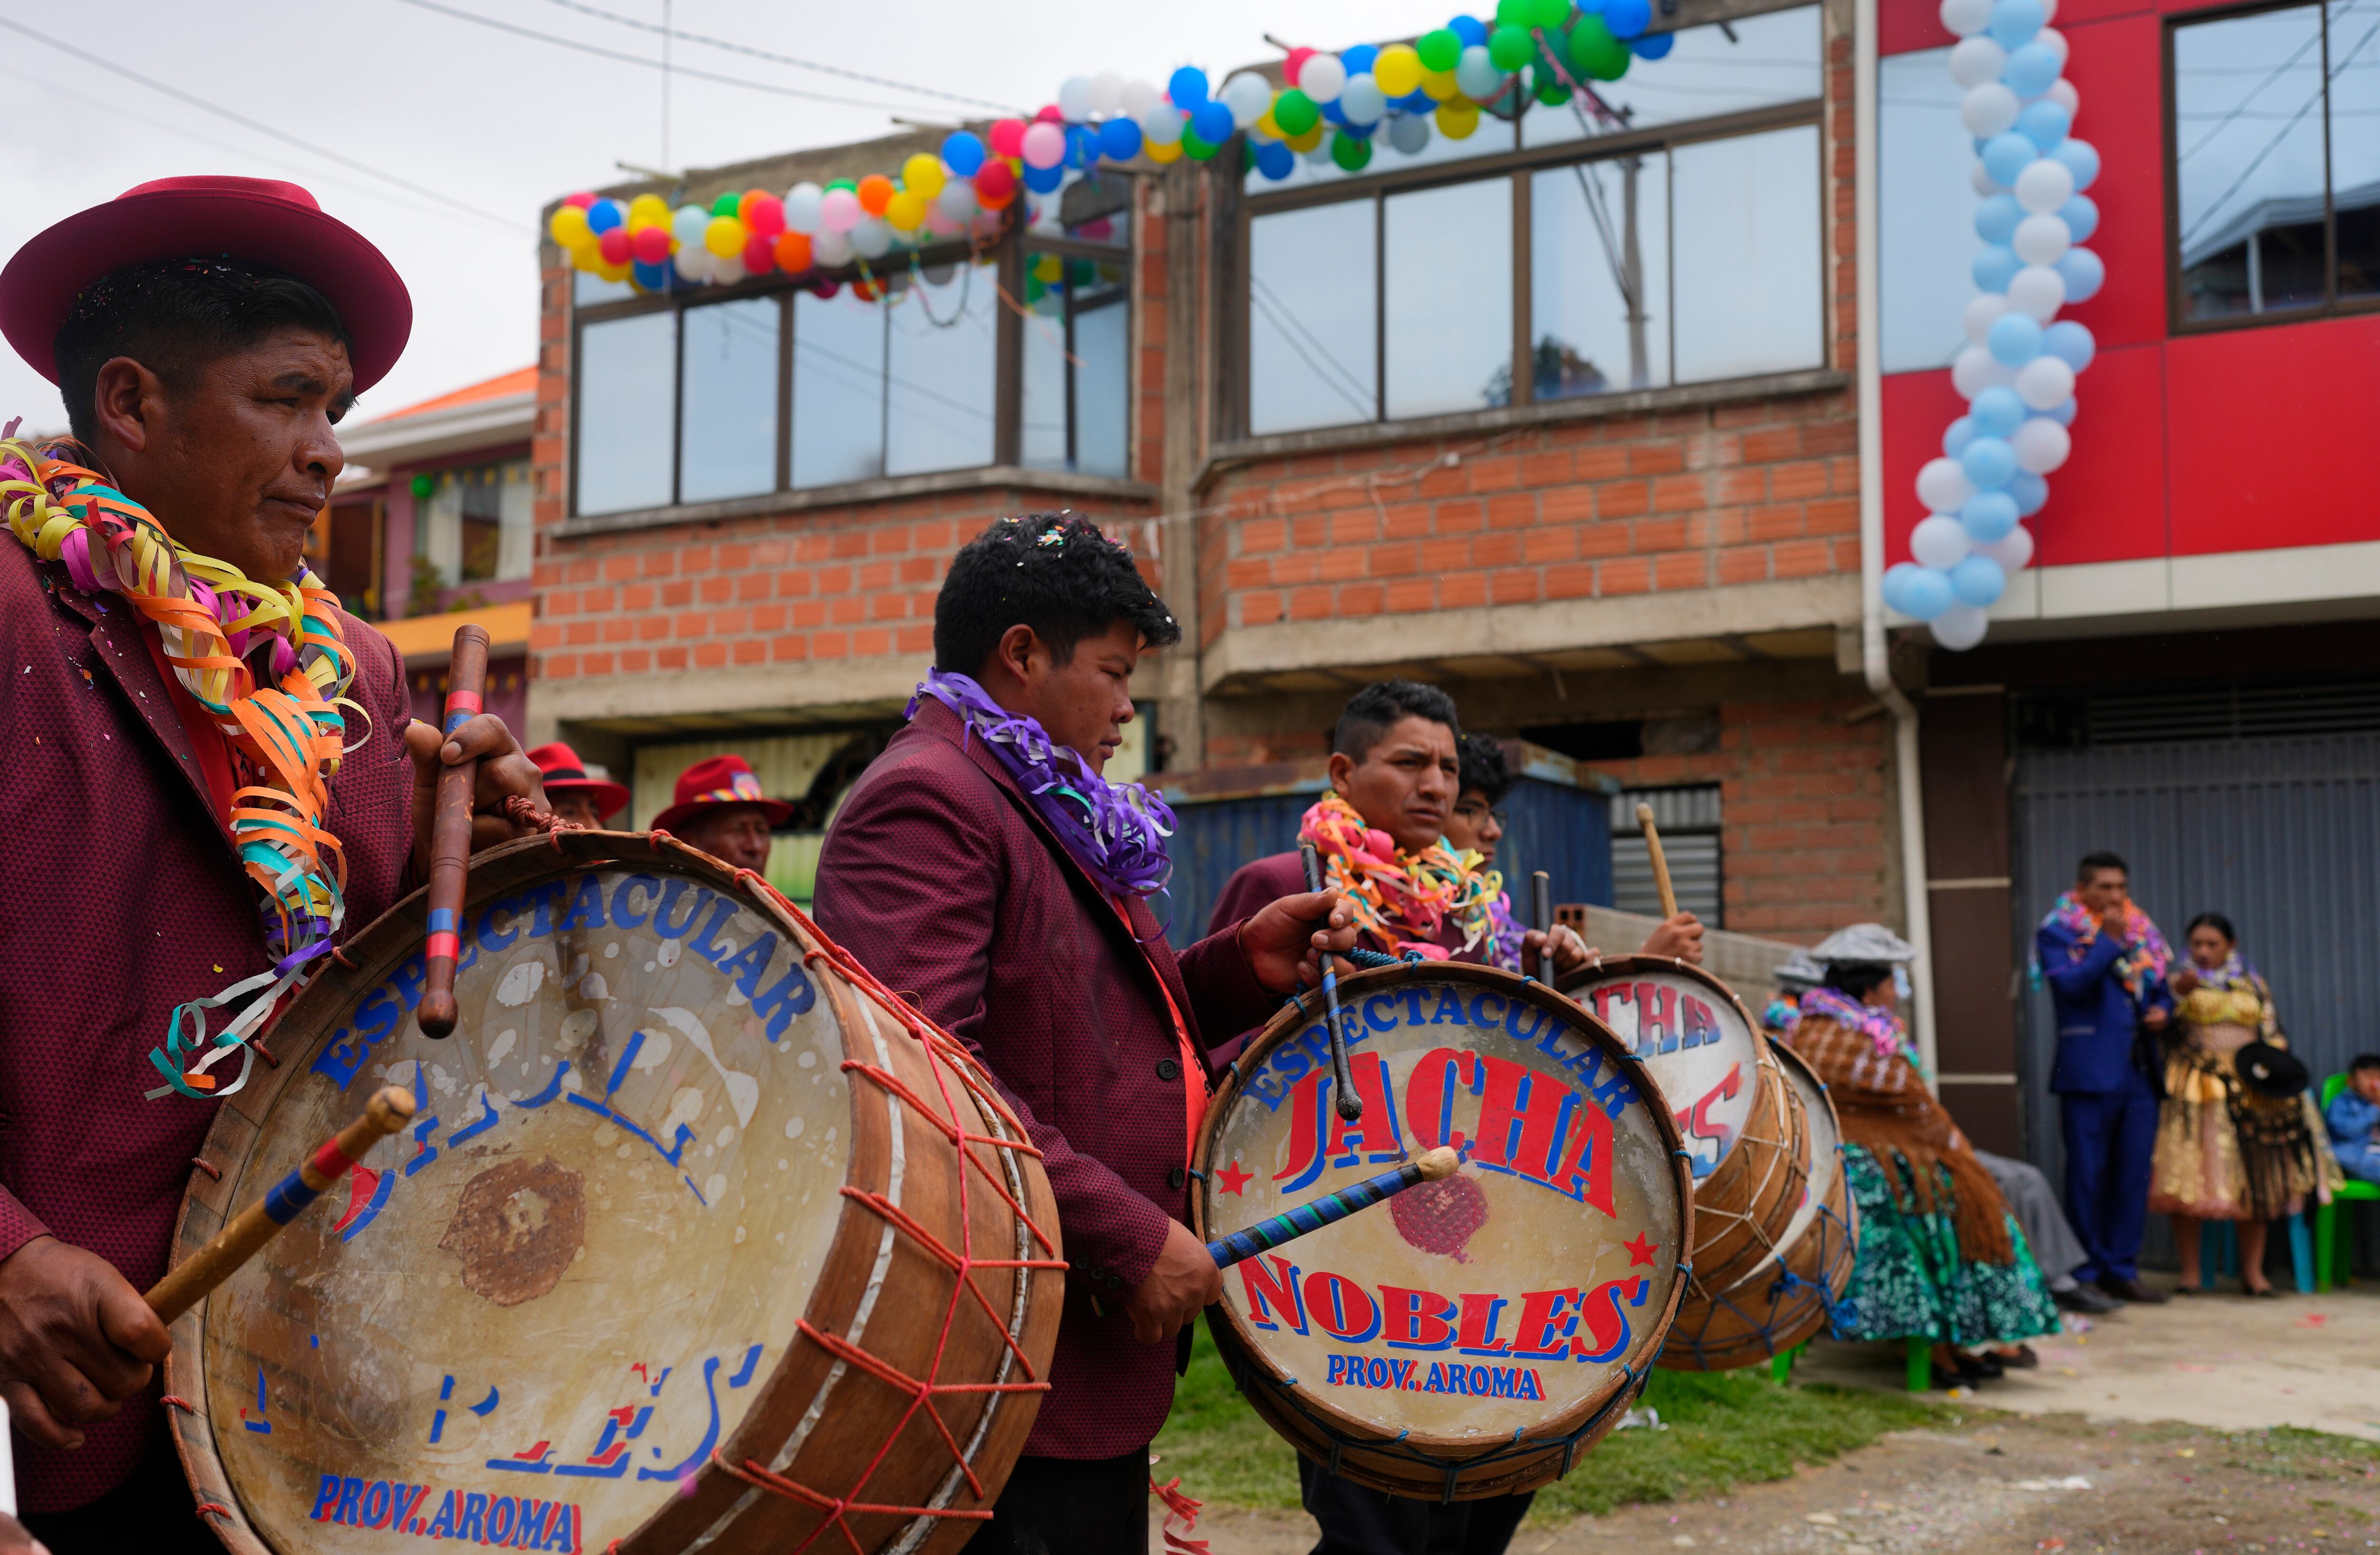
x,y
1519,166
2332,306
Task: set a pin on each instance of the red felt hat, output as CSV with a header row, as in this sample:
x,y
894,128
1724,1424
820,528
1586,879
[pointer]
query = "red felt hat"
x,y
262,221
719,780
564,774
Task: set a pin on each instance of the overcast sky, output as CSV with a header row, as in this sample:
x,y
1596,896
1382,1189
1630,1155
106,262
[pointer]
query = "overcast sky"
x,y
504,123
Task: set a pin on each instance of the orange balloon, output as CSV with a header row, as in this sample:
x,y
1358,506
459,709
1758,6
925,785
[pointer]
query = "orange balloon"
x,y
744,206
792,252
875,193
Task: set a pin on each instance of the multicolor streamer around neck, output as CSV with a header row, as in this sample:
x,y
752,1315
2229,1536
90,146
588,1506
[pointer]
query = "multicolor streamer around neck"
x,y
1116,831
1881,1027
289,736
1403,899
2141,968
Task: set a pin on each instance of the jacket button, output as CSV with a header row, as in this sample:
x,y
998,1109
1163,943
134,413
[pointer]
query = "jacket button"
x,y
1176,1178
1168,1069
1115,1282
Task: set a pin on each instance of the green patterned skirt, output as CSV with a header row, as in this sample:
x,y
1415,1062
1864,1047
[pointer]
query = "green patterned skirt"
x,y
1909,1281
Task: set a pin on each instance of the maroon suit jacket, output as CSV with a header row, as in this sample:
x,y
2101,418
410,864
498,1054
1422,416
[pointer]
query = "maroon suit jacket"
x,y
939,876
123,899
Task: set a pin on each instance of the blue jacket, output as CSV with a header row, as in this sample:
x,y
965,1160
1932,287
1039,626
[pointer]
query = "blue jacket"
x,y
2350,1119
2096,1013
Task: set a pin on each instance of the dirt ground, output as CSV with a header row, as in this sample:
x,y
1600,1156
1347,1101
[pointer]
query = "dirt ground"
x,y
2006,1484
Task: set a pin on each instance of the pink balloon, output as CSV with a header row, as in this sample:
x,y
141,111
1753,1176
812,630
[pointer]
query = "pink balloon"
x,y
767,216
1045,145
839,211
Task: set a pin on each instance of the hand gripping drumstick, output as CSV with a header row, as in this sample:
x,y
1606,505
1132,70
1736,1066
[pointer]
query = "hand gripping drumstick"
x,y
450,834
1541,898
1660,861
189,1282
1314,1214
1350,1106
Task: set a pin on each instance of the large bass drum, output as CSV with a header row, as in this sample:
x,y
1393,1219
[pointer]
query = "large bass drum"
x,y
1473,1336
699,1240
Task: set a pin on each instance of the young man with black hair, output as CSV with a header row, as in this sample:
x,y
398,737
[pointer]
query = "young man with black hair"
x,y
206,333
1475,824
984,862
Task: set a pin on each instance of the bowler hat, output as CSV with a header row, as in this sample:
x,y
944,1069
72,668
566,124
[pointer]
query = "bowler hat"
x,y
2270,1071
564,774
719,780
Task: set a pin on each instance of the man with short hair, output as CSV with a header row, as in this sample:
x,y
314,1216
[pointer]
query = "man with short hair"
x,y
720,808
984,862
2104,963
206,334
1475,824
576,795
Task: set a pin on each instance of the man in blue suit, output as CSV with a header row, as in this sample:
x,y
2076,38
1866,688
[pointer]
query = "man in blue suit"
x,y
2106,963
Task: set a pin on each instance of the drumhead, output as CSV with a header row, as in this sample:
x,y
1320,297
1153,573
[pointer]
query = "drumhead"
x,y
1481,1327
1694,1038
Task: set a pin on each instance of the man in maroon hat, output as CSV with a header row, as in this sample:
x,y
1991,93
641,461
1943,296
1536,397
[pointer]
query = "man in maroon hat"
x,y
720,809
205,333
575,797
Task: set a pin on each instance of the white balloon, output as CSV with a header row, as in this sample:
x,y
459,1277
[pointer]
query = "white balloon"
x,y
2054,40
1360,100
1160,122
727,269
2041,443
802,207
2012,551
1960,627
1976,60
693,261
870,235
2048,11
941,224
830,248
1074,99
2044,185
1318,153
1322,77
1943,485
1106,93
1409,133
2041,239
1135,97
1977,370
1964,17
2039,291
687,225
2062,92
1985,184
1981,314
1476,75
2043,383
1248,95
1988,110
1939,541
957,199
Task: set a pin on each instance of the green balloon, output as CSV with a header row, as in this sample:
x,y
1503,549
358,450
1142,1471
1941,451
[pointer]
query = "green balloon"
x,y
726,203
1440,51
1193,148
851,184
424,486
1549,13
1596,52
1510,47
1296,113
1351,151
1511,13
1551,90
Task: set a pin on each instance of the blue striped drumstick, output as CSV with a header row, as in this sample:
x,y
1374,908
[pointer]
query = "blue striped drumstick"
x,y
189,1282
1314,1214
1350,1106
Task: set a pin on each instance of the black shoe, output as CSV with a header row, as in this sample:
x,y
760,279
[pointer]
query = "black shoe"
x,y
2088,1298
1978,1367
2132,1289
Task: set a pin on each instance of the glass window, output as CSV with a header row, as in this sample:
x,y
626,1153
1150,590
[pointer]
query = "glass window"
x,y
626,377
940,372
838,389
1926,213
1103,388
1745,256
1448,254
1077,349
1756,62
1599,276
727,404
1313,302
476,524
587,289
2355,143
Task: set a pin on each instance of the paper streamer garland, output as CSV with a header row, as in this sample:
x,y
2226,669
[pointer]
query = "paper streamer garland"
x,y
1332,109
2016,372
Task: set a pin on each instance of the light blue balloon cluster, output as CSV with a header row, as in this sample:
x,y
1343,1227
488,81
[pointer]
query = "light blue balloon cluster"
x,y
2016,372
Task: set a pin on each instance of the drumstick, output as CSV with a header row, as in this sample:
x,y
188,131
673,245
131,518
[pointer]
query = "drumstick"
x,y
188,1283
1660,861
1316,1213
1350,1106
450,834
1541,899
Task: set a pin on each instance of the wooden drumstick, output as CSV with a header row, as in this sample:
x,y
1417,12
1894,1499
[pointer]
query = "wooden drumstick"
x,y
1350,1106
1541,899
1660,861
1314,1214
450,834
188,1283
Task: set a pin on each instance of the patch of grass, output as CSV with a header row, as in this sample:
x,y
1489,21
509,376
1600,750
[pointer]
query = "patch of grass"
x,y
2288,1453
1725,1429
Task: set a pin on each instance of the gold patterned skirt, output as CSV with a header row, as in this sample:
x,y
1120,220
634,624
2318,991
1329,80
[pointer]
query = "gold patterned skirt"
x,y
2223,1153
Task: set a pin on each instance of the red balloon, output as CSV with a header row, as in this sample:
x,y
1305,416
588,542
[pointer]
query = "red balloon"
x,y
760,254
582,199
1007,139
651,245
995,185
1296,62
1049,115
765,215
613,246
825,289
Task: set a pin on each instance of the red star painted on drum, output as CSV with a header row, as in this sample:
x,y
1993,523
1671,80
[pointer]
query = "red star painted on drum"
x,y
1235,1179
1640,1250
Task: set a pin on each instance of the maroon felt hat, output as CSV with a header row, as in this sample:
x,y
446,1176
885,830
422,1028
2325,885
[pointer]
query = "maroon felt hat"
x,y
562,773
719,780
261,221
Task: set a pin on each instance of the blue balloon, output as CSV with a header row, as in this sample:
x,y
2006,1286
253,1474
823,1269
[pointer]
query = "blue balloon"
x,y
1333,112
2045,122
1988,461
1213,123
2080,158
1998,411
1957,435
1627,18
2032,71
1359,59
2007,156
1187,87
1997,217
2014,22
1416,102
2063,411
1044,180
1925,592
2031,492
1654,45
1988,516
1083,144
652,277
1471,30
1362,132
964,150
2015,338
2069,343
1978,582
1119,140
1995,268
605,214
2084,273
1275,160
2081,215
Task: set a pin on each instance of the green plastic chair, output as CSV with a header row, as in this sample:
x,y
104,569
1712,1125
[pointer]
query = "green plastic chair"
x,y
2333,1257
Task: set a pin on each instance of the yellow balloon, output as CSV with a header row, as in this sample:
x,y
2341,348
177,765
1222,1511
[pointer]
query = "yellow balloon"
x,y
1397,69
614,272
1270,126
1162,152
1309,140
586,256
648,210
724,236
568,226
1457,118
924,177
1048,267
1440,84
905,209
